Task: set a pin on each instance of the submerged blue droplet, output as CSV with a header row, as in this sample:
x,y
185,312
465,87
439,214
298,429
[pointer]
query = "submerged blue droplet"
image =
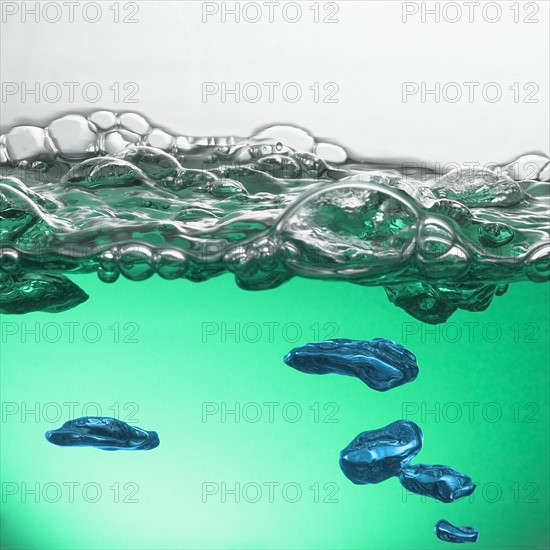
x,y
377,455
448,532
436,481
108,434
381,364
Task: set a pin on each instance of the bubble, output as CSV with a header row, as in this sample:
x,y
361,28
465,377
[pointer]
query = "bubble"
x,y
4,158
292,137
291,252
134,123
331,152
436,239
73,136
108,260
113,142
152,161
104,172
537,264
26,142
227,188
197,177
237,261
160,139
359,225
526,167
171,264
103,120
174,183
494,235
9,260
258,151
264,253
108,276
476,187
130,137
279,166
136,262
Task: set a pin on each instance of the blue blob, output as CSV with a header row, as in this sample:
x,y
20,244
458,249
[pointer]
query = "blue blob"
x,y
108,434
381,364
377,455
436,481
454,533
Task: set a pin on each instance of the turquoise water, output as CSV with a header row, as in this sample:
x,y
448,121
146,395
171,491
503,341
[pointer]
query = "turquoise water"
x,y
249,447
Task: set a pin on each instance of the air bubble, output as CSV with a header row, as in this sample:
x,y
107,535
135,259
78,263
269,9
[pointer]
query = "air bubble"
x,y
237,261
154,162
108,260
130,137
114,142
108,276
537,264
227,188
263,253
171,264
136,262
103,172
494,235
291,253
279,166
292,137
26,142
436,239
103,120
331,152
73,136
478,187
160,139
9,260
134,123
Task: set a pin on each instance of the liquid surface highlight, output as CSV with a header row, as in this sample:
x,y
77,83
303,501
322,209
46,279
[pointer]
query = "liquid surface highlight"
x,y
112,195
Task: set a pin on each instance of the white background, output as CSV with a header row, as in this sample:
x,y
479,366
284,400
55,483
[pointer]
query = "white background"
x,y
368,53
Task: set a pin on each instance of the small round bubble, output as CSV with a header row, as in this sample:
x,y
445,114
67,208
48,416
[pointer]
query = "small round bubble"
x,y
171,264
136,262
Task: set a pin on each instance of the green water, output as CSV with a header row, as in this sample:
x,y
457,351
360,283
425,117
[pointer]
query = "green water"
x,y
162,369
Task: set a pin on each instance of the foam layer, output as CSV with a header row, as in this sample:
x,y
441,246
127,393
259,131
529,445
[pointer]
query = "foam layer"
x,y
113,195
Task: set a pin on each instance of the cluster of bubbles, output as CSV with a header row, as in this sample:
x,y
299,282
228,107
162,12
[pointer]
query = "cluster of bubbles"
x,y
108,193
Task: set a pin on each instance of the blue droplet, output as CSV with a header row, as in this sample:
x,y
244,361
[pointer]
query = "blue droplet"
x,y
377,455
454,533
436,481
381,364
108,434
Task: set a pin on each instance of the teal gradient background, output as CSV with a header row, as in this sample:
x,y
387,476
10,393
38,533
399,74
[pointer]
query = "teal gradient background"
x,y
174,368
